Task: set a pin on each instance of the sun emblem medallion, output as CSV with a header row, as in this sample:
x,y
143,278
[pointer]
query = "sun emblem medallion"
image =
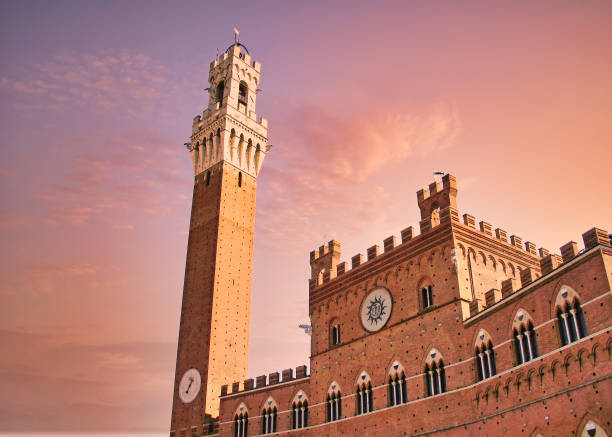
x,y
376,309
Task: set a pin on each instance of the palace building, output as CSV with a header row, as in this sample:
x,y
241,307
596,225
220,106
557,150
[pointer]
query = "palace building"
x,y
457,329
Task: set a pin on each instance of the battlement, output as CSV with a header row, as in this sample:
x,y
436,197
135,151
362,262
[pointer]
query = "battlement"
x,y
324,261
548,263
438,203
265,381
236,51
502,236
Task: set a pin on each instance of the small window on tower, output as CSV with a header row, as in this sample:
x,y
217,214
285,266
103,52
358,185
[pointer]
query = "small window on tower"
x,y
240,179
207,177
335,333
242,93
219,93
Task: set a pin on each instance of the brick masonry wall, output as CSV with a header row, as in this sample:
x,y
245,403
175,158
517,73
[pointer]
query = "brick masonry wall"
x,y
554,394
217,290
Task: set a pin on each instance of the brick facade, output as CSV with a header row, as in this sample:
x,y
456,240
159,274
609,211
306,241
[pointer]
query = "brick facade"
x,y
459,330
482,287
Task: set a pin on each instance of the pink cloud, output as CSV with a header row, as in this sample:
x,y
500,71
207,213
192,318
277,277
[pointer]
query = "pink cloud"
x,y
334,163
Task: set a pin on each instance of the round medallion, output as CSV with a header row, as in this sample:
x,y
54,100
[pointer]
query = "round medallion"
x,y
190,385
376,309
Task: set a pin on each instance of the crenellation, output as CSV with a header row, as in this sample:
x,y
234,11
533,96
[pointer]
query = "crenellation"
x,y
356,260
248,384
435,188
287,375
449,214
475,307
261,381
323,263
549,263
389,243
485,227
469,220
509,286
543,252
569,251
273,378
341,268
492,296
595,236
516,241
501,235
528,275
373,252
407,234
300,372
531,248
235,387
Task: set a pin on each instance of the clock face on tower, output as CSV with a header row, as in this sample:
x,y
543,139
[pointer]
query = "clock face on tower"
x,y
190,385
376,309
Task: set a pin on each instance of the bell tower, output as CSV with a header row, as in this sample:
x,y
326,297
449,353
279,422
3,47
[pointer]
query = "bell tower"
x,y
228,146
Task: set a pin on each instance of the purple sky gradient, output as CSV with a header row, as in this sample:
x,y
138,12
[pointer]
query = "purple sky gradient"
x,y
365,101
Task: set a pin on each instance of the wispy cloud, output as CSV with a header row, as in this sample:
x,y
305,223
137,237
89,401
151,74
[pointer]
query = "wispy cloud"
x,y
328,166
101,82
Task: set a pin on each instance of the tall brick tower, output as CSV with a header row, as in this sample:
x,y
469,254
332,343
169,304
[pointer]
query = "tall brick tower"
x,y
228,146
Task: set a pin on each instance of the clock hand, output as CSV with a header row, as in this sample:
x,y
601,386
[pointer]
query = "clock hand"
x,y
190,382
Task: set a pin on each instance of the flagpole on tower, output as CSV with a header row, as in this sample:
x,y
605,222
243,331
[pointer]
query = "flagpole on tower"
x,y
236,35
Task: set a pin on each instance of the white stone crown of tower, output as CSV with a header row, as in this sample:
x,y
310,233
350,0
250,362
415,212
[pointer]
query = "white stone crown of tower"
x,y
228,130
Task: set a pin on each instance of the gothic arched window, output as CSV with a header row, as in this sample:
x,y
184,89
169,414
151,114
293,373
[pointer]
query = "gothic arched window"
x,y
364,394
570,317
485,356
268,419
435,376
241,424
397,385
299,411
334,403
525,342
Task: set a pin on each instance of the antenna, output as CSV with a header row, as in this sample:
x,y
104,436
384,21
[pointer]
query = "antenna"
x,y
236,35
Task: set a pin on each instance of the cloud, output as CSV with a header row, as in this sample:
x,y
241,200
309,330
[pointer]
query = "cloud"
x,y
327,168
133,83
115,180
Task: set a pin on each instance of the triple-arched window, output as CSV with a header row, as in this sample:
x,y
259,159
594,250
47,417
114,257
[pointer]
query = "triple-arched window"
x,y
268,419
334,403
525,341
570,318
299,411
364,394
241,422
435,377
398,394
485,356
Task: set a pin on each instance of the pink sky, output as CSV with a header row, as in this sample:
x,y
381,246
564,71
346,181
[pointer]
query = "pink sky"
x,y
364,101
